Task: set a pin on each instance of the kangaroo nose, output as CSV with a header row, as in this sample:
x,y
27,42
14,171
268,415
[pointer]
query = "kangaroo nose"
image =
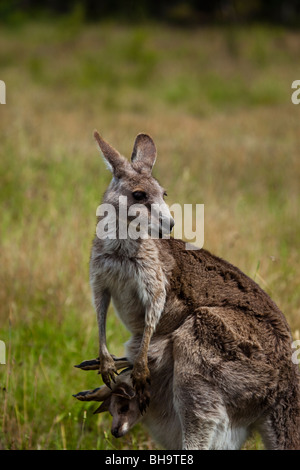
x,y
167,223
115,432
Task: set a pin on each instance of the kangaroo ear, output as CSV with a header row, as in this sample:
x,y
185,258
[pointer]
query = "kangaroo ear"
x,y
125,391
144,153
116,163
103,407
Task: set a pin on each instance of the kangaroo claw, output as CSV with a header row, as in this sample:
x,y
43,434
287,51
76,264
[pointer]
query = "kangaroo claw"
x,y
86,395
92,364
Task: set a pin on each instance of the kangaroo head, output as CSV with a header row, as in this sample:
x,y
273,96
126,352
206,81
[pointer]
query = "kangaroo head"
x,y
120,401
123,406
133,190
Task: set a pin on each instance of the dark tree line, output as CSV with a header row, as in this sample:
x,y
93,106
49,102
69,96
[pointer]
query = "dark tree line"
x,y
176,11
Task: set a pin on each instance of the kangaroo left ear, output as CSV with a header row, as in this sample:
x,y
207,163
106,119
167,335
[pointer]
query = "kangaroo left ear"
x,y
144,153
116,163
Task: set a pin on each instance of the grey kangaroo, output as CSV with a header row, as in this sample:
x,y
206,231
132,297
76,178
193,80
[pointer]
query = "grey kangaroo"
x,y
221,341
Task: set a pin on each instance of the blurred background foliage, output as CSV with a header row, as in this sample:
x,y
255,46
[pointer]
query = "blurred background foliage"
x,y
188,12
211,82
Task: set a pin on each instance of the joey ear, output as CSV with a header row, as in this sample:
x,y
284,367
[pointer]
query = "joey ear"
x,y
103,407
144,153
124,390
115,161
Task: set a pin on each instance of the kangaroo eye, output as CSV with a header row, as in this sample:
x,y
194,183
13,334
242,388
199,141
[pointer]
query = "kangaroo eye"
x,y
124,409
165,193
139,195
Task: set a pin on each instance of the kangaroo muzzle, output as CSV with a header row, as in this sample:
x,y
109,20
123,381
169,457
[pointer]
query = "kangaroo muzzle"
x,y
166,224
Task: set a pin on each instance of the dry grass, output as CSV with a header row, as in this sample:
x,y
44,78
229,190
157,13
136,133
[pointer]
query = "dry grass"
x,y
217,103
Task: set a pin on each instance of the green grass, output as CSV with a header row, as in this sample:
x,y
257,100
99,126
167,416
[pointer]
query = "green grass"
x,y
217,102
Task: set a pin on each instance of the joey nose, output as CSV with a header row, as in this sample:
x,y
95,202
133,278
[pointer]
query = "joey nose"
x,y
115,432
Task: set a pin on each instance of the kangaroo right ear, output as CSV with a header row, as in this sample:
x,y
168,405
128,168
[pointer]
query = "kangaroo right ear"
x,y
116,163
144,153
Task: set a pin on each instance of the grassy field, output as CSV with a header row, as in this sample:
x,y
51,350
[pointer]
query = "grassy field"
x,y
217,102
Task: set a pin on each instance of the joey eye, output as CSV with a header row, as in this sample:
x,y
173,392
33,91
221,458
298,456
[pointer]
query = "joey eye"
x,y
139,195
165,194
124,409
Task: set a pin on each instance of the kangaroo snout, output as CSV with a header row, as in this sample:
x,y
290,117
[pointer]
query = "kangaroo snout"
x,y
166,224
119,431
115,432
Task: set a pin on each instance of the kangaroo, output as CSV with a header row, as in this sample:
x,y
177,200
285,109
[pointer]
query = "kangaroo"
x,y
228,426
231,345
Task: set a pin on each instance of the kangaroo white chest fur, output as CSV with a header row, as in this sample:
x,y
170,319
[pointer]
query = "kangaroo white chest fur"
x,y
132,272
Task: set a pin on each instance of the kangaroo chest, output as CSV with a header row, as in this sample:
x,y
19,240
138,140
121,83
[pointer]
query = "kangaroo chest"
x,y
128,306
134,285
